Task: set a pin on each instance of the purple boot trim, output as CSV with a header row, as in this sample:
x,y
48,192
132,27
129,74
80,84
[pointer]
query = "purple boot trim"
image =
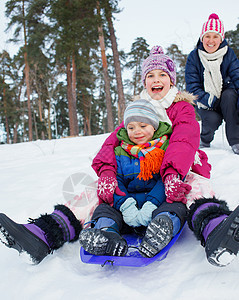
x,y
202,207
37,231
64,223
212,225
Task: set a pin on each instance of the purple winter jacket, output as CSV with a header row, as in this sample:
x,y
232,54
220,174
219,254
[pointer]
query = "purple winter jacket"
x,y
183,144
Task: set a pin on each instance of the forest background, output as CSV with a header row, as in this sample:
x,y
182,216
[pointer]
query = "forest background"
x,y
66,77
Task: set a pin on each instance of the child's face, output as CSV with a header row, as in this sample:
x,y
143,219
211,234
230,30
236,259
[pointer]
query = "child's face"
x,y
157,84
140,133
211,42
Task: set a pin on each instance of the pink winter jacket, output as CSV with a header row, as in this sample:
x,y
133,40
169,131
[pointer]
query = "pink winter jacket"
x,y
180,155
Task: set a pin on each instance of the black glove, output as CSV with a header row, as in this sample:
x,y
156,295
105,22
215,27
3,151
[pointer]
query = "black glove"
x,y
216,103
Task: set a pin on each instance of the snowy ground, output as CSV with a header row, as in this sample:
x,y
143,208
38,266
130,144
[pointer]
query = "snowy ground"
x,y
32,177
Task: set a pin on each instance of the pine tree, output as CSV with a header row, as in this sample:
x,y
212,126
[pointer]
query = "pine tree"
x,y
108,99
110,7
16,11
232,37
180,59
139,51
10,91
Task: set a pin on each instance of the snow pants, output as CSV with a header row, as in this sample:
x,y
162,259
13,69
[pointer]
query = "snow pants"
x,y
105,210
226,110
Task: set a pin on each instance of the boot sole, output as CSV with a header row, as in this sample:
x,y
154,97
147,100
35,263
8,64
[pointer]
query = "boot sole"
x,y
158,234
18,237
225,239
97,242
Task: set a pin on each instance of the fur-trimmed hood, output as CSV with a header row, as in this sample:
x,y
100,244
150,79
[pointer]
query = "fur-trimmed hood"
x,y
185,96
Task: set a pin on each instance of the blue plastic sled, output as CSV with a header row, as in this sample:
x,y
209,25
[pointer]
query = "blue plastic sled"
x,y
133,257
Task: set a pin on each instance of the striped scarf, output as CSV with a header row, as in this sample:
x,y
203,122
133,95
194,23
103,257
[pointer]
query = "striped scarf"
x,y
150,156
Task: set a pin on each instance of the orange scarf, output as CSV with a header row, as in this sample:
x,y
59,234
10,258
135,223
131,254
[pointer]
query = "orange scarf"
x,y
150,156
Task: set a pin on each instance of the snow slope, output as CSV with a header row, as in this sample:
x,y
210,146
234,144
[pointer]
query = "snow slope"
x,y
31,180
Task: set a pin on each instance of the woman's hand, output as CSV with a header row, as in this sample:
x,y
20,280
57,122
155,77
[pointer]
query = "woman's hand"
x,y
107,186
175,189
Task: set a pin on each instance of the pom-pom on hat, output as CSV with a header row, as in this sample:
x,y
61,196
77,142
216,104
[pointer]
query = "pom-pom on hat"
x,y
213,24
141,111
157,60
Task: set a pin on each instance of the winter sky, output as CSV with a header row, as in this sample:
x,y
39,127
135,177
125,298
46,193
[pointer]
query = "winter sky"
x,y
159,22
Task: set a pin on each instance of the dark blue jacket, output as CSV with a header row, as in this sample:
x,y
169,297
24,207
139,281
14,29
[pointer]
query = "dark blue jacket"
x,y
128,168
194,73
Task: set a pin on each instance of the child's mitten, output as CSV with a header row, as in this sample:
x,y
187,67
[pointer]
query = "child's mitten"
x,y
145,213
130,212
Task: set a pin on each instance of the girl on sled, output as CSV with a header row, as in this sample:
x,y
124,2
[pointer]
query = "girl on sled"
x,y
143,142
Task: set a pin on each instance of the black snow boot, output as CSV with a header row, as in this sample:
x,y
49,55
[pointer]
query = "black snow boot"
x,y
222,244
161,229
99,242
158,234
17,236
217,228
40,236
103,239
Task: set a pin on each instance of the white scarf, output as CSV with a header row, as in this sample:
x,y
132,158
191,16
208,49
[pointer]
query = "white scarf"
x,y
212,74
162,104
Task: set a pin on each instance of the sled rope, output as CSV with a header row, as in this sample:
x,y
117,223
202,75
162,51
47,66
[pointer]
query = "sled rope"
x,y
109,261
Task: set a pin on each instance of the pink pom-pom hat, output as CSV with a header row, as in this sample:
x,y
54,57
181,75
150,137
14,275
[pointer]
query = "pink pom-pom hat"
x,y
213,24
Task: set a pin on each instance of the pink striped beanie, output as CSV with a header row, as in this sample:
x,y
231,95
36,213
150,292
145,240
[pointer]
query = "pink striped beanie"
x,y
213,24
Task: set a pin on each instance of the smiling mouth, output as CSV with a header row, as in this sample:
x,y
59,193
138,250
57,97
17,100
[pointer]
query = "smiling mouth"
x,y
157,89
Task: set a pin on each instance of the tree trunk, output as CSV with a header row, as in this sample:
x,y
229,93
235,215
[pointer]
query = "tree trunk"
x,y
49,121
41,117
71,105
87,120
74,95
15,133
35,124
110,121
69,97
120,90
87,114
26,70
5,112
